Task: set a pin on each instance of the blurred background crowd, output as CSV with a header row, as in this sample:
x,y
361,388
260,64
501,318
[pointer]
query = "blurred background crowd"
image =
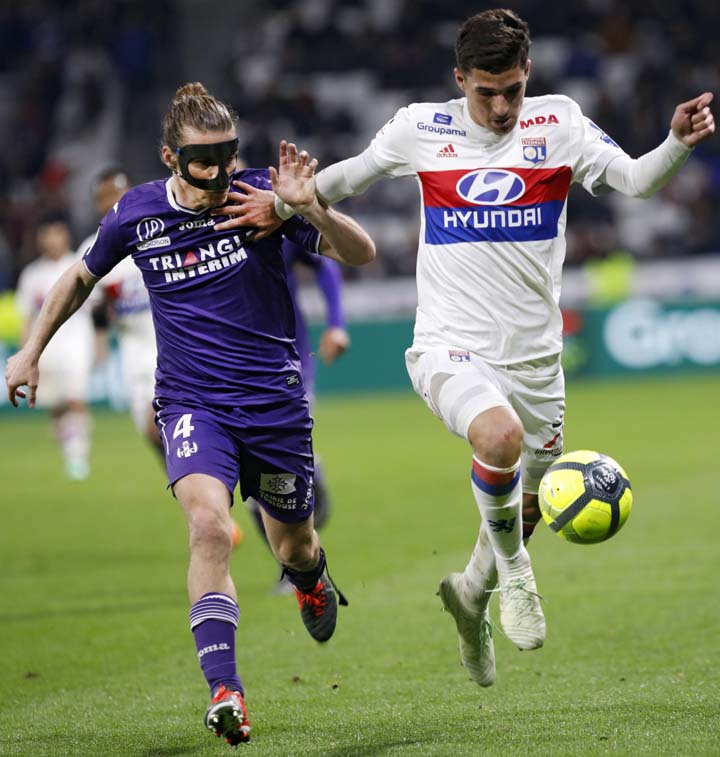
x,y
84,83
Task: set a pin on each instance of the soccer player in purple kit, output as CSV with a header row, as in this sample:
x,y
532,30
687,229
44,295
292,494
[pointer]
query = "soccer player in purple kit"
x,y
230,399
334,342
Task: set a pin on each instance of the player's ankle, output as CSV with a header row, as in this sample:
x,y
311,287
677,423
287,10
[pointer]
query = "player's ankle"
x,y
517,561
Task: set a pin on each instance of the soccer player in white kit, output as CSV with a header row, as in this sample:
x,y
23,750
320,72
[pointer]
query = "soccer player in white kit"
x,y
65,366
494,170
123,292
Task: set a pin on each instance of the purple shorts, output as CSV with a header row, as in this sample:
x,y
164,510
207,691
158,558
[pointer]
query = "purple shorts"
x,y
267,448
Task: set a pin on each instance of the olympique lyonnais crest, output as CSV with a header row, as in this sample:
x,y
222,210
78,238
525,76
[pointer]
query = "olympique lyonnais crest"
x,y
534,149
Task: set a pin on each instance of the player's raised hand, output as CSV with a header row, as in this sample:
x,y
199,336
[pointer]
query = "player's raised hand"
x,y
693,120
251,207
294,179
22,370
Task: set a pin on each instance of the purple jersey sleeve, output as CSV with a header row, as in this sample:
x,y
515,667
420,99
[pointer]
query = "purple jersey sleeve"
x,y
108,249
302,233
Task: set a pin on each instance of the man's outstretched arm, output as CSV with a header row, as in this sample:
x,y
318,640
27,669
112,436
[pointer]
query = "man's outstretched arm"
x,y
692,122
68,294
343,239
264,210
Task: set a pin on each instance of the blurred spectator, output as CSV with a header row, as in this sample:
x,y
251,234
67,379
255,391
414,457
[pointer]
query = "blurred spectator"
x,y
325,73
6,264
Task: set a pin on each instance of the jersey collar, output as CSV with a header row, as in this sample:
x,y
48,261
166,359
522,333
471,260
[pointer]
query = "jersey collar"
x,y
176,205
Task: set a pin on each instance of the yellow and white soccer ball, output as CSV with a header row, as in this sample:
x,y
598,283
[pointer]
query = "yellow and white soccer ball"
x,y
585,497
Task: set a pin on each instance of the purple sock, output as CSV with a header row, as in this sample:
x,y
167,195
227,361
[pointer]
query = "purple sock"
x,y
213,621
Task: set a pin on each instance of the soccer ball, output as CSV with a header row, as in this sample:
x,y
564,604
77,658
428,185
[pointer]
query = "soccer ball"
x,y
585,497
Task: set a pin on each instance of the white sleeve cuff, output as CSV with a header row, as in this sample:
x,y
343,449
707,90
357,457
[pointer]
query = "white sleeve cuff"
x,y
283,210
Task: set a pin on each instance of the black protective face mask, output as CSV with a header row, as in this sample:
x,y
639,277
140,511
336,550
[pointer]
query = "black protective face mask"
x,y
216,153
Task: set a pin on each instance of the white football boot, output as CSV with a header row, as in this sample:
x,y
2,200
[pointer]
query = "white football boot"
x,y
470,611
521,616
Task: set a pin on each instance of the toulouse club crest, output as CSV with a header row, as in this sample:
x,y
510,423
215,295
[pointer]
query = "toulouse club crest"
x,y
149,231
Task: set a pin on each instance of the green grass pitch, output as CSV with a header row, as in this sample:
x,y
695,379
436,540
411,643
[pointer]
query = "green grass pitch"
x,y
96,657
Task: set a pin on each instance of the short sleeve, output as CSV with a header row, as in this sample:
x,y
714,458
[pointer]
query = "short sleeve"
x,y
107,249
593,150
302,233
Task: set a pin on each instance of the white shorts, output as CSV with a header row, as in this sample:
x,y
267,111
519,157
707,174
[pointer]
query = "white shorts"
x,y
141,391
458,385
64,378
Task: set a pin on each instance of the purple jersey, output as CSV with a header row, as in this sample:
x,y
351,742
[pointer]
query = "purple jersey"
x,y
222,311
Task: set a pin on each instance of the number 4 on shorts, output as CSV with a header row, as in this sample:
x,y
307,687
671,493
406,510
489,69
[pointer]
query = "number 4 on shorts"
x,y
184,426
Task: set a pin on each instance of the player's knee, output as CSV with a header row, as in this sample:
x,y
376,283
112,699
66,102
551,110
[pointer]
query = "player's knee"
x,y
210,530
496,437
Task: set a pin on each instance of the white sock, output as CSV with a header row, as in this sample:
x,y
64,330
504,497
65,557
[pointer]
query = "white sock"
x,y
73,432
498,493
480,572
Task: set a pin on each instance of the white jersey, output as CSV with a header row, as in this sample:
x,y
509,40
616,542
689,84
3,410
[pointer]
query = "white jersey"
x,y
35,282
492,236
125,289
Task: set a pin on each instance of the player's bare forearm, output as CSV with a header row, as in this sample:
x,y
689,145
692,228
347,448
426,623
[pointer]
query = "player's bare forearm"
x,y
693,121
68,294
294,183
25,331
343,239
